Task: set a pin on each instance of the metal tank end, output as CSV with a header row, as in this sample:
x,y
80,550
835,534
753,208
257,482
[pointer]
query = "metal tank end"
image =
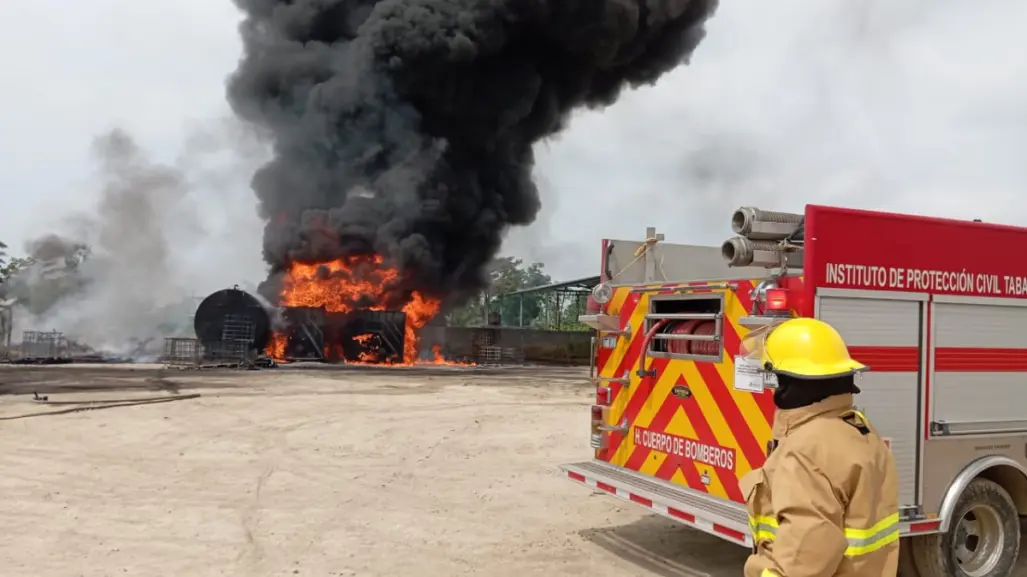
x,y
734,251
741,220
756,224
740,251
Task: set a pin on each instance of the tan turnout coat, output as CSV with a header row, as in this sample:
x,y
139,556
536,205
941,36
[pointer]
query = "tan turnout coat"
x,y
825,504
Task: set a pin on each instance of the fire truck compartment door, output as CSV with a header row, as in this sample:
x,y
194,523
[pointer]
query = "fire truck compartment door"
x,y
979,352
885,334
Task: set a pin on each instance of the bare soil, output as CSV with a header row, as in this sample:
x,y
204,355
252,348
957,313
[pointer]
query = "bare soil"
x,y
433,472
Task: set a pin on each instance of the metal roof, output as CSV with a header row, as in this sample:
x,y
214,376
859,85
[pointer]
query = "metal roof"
x,y
582,285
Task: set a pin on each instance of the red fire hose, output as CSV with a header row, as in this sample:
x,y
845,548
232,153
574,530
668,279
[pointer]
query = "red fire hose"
x,y
645,345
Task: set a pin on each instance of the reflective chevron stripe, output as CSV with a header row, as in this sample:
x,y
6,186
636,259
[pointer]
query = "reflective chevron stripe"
x,y
716,415
697,519
712,525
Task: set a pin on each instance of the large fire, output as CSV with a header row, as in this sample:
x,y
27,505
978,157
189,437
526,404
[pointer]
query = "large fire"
x,y
357,284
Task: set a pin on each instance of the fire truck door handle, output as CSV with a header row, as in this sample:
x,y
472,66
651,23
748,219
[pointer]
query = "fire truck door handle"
x,y
592,361
622,428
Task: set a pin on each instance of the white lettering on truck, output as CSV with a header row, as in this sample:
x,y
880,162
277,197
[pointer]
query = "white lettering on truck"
x,y
923,280
712,455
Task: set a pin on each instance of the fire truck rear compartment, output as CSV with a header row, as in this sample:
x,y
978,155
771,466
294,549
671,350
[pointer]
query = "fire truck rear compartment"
x,y
670,410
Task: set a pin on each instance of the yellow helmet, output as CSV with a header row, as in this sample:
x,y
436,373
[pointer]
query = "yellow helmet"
x,y
806,348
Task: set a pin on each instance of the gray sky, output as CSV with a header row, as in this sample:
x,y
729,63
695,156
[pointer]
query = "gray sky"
x,y
915,105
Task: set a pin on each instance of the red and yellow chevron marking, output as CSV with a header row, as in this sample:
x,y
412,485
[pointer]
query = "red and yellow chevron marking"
x,y
715,415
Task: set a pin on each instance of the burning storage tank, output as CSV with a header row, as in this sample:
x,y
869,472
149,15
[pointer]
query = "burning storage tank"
x,y
351,310
232,322
361,336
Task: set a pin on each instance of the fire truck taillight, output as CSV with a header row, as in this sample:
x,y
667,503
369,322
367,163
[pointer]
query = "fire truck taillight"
x,y
604,396
776,300
597,439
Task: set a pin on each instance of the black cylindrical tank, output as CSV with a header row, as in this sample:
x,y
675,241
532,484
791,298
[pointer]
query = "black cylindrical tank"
x,y
220,308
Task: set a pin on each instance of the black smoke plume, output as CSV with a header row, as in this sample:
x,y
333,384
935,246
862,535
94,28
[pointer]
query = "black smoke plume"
x,y
405,127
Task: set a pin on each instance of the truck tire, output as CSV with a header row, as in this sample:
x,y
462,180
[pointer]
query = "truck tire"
x,y
907,566
983,539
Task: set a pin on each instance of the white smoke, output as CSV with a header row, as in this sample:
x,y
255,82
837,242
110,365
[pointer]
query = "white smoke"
x,y
915,106
130,270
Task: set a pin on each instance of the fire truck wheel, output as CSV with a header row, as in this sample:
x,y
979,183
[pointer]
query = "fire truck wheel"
x,y
907,566
983,539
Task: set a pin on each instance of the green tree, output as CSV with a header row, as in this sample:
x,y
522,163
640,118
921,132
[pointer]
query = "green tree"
x,y
507,274
561,311
9,266
511,275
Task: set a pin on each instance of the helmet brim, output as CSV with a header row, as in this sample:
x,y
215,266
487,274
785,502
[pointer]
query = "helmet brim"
x,y
803,370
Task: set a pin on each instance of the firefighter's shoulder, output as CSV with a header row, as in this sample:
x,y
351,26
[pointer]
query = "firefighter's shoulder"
x,y
835,446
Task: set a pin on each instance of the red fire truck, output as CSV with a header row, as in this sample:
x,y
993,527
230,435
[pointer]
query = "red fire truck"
x,y
931,305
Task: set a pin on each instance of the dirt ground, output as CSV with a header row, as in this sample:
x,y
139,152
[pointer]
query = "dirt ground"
x,y
319,472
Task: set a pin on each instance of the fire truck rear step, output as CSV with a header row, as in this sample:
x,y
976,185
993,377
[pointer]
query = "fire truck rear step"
x,y
724,519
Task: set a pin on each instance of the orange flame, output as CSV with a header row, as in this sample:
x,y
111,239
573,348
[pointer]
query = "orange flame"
x,y
370,352
276,348
358,283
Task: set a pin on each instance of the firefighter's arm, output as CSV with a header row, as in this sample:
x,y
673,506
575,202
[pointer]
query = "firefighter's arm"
x,y
810,536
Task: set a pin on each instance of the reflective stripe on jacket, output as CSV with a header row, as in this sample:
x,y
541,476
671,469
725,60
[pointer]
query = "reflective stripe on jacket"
x,y
825,504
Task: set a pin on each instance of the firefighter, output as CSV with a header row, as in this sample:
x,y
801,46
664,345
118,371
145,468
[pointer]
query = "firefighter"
x,y
825,503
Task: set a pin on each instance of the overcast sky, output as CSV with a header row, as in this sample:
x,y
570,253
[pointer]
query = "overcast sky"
x,y
913,105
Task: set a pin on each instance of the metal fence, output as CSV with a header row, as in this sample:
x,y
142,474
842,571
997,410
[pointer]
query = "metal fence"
x,y
44,345
227,353
489,355
487,349
181,351
235,348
